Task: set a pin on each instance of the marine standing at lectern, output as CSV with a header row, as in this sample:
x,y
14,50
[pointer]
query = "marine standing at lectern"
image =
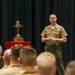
x,y
53,35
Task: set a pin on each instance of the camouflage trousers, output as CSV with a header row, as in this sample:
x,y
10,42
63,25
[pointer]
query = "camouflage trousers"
x,y
56,50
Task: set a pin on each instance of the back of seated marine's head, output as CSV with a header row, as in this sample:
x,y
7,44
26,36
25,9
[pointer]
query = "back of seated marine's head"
x,y
6,54
15,50
45,64
28,56
70,68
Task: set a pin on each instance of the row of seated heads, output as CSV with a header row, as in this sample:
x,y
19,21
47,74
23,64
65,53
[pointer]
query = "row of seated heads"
x,y
24,53
30,53
28,56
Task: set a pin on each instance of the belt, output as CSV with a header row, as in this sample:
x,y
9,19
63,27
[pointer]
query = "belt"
x,y
53,44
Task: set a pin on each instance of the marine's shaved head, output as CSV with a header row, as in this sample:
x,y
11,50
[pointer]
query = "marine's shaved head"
x,y
6,53
70,68
45,63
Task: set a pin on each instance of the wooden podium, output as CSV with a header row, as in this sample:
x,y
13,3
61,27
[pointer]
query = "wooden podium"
x,y
9,44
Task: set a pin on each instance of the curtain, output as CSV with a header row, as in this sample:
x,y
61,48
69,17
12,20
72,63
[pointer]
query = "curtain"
x,y
34,16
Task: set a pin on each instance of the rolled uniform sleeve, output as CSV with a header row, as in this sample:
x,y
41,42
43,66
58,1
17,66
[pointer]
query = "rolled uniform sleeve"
x,y
63,33
43,32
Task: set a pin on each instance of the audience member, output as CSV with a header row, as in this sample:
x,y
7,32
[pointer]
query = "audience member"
x,y
0,51
45,64
1,61
28,58
70,68
15,65
6,59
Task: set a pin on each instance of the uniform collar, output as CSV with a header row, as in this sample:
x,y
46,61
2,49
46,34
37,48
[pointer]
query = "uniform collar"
x,y
50,26
14,65
27,72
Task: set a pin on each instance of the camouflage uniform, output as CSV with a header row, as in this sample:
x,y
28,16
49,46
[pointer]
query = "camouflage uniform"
x,y
27,73
54,46
11,70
